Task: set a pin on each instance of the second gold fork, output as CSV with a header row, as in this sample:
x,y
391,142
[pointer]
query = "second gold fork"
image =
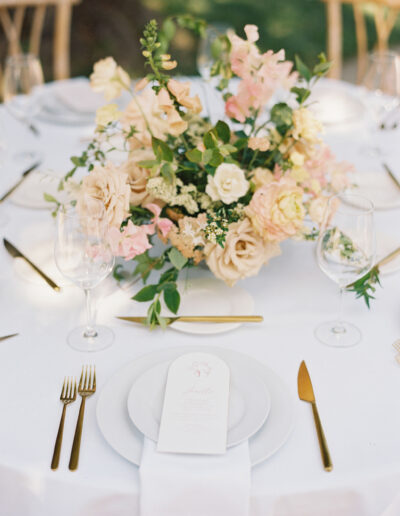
x,y
87,387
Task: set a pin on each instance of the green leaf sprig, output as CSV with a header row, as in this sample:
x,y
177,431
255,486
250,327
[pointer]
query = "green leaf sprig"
x,y
365,286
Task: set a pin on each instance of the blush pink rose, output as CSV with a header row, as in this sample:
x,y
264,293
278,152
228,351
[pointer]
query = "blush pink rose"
x,y
130,242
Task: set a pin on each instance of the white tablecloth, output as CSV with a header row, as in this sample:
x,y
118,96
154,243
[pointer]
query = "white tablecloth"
x,y
358,389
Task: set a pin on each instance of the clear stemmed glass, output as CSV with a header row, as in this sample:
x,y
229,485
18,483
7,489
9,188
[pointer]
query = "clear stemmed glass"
x,y
345,253
382,79
23,77
205,59
83,257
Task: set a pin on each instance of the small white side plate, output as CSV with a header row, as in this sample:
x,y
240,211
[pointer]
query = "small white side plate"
x,y
378,187
249,402
209,296
30,194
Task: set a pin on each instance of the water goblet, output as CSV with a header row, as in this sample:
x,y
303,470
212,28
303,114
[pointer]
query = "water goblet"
x,y
345,253
83,257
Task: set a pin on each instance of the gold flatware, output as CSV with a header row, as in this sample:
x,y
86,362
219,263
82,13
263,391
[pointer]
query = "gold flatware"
x,y
15,253
391,175
306,393
8,336
68,395
25,174
396,345
201,318
87,387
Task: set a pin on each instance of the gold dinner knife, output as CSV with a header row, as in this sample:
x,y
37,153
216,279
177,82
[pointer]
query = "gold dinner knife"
x,y
201,318
8,336
23,177
306,393
15,253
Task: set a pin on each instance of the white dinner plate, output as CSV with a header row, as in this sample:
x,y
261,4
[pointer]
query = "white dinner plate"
x,y
378,187
210,296
30,194
385,244
122,435
249,401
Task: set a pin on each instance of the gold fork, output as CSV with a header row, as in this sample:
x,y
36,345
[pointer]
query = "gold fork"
x,y
87,387
68,395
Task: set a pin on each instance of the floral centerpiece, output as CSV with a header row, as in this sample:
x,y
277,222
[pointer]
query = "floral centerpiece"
x,y
225,194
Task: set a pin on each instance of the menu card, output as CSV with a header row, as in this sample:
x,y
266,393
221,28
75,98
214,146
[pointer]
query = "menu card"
x,y
195,412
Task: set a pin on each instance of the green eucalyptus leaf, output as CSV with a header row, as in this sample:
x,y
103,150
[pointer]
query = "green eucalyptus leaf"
x,y
146,293
303,69
172,299
194,155
177,258
223,131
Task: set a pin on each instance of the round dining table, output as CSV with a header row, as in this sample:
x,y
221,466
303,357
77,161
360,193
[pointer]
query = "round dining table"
x,y
357,388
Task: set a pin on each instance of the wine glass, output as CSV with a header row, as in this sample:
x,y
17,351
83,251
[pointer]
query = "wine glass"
x,y
205,59
382,80
82,256
345,253
23,77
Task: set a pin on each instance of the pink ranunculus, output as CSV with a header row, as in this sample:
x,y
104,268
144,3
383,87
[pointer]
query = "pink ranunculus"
x,y
130,242
276,210
162,223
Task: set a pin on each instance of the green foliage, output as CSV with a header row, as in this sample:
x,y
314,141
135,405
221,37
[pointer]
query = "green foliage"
x,y
365,286
177,259
282,117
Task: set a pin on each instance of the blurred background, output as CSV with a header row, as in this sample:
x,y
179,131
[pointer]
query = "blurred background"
x,y
112,28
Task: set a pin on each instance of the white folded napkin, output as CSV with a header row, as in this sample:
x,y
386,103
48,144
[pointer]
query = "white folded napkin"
x,y
195,485
76,94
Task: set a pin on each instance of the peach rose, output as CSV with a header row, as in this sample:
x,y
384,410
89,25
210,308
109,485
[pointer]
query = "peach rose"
x,y
276,210
138,177
243,254
109,185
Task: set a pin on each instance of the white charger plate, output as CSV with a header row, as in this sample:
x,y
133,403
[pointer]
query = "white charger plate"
x,y
249,401
385,244
210,296
122,435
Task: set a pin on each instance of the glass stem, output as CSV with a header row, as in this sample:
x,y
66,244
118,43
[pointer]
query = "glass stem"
x,y
339,327
90,332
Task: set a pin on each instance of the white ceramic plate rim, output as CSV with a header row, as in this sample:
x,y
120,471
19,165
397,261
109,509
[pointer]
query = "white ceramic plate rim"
x,y
256,398
121,434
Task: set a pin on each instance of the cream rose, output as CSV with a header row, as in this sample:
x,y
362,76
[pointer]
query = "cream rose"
x,y
276,210
109,78
261,176
109,185
243,254
228,183
138,177
317,209
306,126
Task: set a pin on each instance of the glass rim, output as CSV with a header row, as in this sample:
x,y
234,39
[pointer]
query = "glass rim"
x,y
369,208
70,211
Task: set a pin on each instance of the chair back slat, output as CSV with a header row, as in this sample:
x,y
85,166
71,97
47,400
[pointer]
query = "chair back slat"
x,y
12,14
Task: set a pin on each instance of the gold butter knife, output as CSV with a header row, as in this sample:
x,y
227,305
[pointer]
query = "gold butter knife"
x,y
24,176
15,253
8,336
306,393
201,318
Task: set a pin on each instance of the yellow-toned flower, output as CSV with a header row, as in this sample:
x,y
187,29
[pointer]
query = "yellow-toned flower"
x,y
297,158
317,209
259,143
276,210
107,114
261,176
169,65
109,78
299,174
181,91
306,126
176,125
109,185
141,84
243,254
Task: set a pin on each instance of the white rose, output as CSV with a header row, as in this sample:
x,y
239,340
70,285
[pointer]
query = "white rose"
x,y
228,184
109,78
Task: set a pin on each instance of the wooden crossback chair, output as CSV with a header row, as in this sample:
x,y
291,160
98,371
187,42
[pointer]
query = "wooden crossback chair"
x,y
12,14
384,13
